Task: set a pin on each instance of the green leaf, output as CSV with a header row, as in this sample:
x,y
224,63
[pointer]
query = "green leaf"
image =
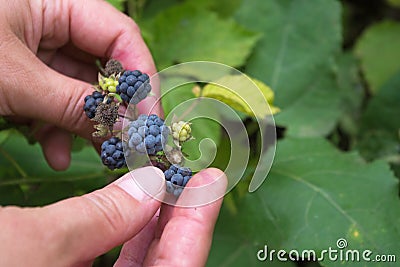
x,y
235,94
24,166
395,3
11,194
4,135
224,8
176,96
79,143
295,58
229,251
378,51
315,195
379,135
316,111
202,127
118,4
188,33
352,93
47,193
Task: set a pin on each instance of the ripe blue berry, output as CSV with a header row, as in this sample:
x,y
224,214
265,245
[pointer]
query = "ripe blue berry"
x,y
168,174
185,171
112,154
146,136
133,86
186,180
91,103
176,179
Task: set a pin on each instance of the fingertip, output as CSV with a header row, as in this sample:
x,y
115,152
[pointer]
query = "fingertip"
x,y
204,188
143,184
189,227
208,176
56,146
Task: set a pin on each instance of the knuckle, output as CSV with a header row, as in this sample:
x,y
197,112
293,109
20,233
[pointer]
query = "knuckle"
x,y
72,116
107,207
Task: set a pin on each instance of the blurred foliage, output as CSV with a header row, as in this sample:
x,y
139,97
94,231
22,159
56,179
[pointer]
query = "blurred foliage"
x,y
31,182
378,50
334,69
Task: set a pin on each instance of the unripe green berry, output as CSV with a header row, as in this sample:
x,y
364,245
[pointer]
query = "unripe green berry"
x,y
181,131
108,83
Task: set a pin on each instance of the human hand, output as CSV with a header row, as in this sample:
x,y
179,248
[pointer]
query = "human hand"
x,y
48,50
75,231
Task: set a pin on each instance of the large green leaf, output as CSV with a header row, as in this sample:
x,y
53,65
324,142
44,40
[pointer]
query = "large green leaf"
x,y
380,124
313,196
230,251
295,58
352,92
224,8
316,111
235,94
378,50
25,177
187,33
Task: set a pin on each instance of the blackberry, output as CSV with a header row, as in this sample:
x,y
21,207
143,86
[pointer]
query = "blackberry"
x,y
133,86
112,154
176,179
91,103
147,134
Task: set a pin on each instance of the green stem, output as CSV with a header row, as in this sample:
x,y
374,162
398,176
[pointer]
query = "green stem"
x,y
33,180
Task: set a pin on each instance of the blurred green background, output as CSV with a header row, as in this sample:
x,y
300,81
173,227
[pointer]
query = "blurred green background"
x,y
334,67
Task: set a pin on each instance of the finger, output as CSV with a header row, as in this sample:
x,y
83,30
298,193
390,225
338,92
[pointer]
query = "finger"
x,y
112,35
72,67
38,92
124,42
134,251
187,229
93,224
56,145
53,97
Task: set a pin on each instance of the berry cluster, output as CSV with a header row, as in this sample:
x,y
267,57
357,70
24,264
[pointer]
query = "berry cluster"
x,y
133,86
176,179
112,153
147,134
91,103
103,104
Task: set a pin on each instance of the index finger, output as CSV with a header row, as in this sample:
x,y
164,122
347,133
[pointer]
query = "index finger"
x,y
182,230
99,29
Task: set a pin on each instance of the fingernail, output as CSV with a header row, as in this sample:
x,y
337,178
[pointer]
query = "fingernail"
x,y
143,184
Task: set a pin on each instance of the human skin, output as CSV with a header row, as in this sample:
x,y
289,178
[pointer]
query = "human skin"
x,y
47,49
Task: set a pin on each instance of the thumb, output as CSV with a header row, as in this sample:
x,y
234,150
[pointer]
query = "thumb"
x,y
93,224
36,91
